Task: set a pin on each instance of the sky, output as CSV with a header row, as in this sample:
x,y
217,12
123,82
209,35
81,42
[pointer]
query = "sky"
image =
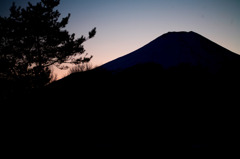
x,y
126,25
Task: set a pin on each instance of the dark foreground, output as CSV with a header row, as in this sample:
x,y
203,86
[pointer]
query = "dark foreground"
x,y
133,113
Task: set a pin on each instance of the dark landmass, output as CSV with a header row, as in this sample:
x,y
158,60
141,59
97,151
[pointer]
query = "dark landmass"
x,y
140,111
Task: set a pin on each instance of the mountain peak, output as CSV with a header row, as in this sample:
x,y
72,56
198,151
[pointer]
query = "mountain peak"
x,y
174,48
180,33
177,34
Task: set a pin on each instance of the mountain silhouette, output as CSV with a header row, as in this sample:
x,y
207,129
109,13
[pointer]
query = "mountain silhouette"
x,y
174,48
174,96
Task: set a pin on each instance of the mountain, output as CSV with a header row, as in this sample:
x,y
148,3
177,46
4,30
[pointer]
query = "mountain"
x,y
177,95
174,48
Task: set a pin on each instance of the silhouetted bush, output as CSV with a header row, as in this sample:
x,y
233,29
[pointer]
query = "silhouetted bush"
x,y
81,68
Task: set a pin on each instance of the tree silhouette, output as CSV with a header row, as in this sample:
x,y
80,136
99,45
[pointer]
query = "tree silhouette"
x,y
34,38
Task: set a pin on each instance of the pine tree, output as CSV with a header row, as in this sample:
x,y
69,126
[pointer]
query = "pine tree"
x,y
34,38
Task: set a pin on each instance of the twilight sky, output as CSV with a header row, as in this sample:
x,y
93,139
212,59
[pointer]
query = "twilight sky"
x,y
126,25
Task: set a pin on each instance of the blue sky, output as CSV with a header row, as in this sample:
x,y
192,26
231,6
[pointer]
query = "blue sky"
x,y
125,25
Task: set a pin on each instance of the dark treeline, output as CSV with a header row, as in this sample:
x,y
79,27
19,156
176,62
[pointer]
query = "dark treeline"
x,y
143,110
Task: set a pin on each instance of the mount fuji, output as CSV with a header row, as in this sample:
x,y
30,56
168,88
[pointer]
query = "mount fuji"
x,y
146,101
174,48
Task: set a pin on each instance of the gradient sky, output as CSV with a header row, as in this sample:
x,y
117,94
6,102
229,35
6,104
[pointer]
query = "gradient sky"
x,y
126,25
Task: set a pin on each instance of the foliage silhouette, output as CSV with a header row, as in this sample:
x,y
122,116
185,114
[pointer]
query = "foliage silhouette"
x,y
34,38
81,68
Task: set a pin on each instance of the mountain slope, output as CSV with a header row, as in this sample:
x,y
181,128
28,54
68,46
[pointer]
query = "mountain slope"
x,y
174,48
148,107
